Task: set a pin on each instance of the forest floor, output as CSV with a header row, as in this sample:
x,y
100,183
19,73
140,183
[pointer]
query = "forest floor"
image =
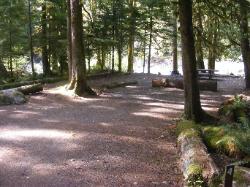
x,y
124,137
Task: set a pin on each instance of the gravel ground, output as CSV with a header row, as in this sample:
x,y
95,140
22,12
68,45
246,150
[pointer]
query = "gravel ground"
x,y
124,137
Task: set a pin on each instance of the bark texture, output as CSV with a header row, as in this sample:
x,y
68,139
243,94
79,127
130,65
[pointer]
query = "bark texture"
x,y
192,107
131,36
78,81
69,48
45,58
175,42
245,48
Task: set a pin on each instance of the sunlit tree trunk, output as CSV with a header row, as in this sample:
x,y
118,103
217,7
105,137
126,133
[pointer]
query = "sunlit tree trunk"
x,y
175,42
31,40
245,48
131,35
150,39
78,63
144,49
69,47
193,109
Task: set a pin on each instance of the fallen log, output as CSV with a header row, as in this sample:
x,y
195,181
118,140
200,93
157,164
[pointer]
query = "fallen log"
x,y
24,83
119,84
204,85
158,83
195,163
30,89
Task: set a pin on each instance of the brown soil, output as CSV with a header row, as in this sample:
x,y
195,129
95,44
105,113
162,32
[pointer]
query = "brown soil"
x,y
124,137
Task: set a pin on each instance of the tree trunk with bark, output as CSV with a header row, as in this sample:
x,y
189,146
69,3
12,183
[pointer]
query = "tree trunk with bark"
x,y
45,60
69,47
245,48
150,38
79,81
199,48
193,109
212,50
31,40
131,36
175,42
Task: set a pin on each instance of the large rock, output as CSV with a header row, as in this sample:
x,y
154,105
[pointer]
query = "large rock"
x,y
12,96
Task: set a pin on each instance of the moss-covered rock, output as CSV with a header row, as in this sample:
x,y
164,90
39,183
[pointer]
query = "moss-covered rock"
x,y
8,97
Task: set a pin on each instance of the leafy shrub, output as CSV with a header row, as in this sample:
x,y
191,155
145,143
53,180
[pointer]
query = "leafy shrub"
x,y
237,109
188,127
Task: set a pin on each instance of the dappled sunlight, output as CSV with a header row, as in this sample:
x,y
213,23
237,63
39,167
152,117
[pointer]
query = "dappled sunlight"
x,y
106,124
210,109
16,134
101,107
131,139
49,120
45,169
69,94
22,114
150,114
5,152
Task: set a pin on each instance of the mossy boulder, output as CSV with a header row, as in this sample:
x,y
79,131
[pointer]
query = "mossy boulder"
x,y
12,96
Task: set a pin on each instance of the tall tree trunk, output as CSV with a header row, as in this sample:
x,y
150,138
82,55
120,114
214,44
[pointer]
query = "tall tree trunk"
x,y
114,25
193,109
199,50
46,65
212,51
131,35
144,48
79,80
150,39
69,47
99,56
119,38
10,54
31,41
10,63
175,42
245,48
104,54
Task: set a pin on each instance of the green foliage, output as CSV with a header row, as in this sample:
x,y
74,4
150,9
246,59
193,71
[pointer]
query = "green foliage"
x,y
228,139
237,110
188,128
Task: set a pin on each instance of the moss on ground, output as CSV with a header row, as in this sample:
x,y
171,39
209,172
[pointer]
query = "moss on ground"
x,y
226,139
188,128
195,177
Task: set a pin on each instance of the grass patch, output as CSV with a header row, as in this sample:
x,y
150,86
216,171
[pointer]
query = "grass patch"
x,y
228,139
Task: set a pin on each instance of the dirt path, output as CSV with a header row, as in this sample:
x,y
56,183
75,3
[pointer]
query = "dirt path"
x,y
121,138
